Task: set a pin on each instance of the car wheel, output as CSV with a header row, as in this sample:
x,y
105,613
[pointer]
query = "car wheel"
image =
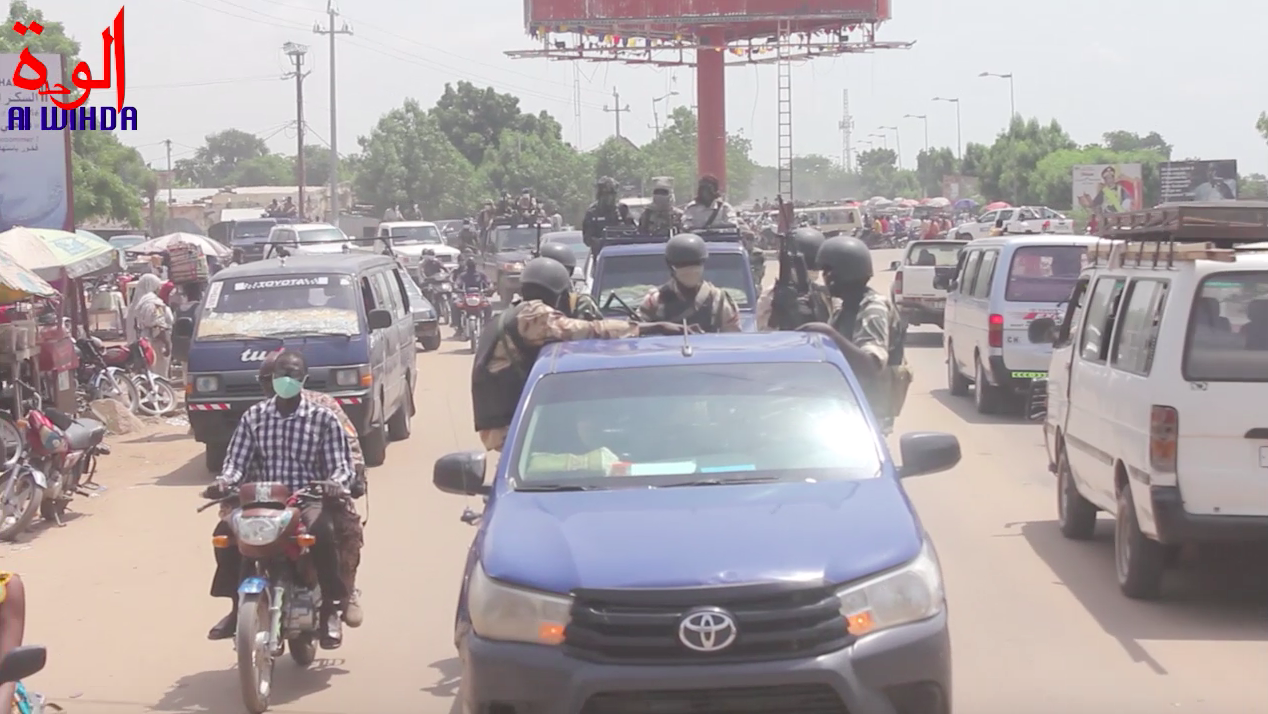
x,y
1138,560
986,396
374,446
432,343
1075,514
398,425
957,384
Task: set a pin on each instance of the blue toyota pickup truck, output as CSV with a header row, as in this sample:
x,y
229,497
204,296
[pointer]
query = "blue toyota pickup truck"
x,y
704,525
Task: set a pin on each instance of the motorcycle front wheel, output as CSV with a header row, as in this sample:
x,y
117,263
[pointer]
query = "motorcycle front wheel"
x,y
473,332
255,656
20,499
155,396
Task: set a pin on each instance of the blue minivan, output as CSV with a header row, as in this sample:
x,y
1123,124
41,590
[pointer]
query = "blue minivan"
x,y
348,314
709,524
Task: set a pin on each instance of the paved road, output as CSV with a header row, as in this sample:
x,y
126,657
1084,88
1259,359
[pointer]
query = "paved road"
x,y
1038,625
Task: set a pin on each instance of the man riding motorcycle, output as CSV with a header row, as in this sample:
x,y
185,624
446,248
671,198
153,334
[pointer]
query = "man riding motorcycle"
x,y
467,280
432,268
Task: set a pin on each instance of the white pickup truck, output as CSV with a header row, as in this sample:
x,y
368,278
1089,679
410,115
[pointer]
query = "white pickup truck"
x,y
1019,220
913,291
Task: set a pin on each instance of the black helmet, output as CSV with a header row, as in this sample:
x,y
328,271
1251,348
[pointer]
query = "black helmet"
x,y
560,253
607,182
686,249
847,258
808,241
546,273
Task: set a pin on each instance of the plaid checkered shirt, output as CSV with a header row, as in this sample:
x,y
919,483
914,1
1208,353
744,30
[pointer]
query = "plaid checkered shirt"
x,y
294,450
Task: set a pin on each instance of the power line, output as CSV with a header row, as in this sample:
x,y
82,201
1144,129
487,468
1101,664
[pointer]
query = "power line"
x,y
333,31
296,53
616,109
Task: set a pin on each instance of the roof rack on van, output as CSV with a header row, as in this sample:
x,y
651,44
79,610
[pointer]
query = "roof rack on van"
x,y
1182,231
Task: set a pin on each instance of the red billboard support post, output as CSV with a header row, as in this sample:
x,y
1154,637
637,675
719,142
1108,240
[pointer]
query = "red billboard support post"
x,y
710,35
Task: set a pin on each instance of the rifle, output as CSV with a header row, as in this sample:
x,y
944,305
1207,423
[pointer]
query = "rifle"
x,y
793,281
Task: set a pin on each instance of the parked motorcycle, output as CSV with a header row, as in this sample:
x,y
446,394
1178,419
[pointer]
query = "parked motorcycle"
x,y
473,305
99,380
154,394
279,600
64,450
21,488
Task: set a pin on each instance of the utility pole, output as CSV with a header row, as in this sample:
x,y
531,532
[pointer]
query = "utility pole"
x,y
846,125
616,109
170,178
297,53
332,30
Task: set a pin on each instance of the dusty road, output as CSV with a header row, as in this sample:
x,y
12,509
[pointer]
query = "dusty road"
x,y
119,595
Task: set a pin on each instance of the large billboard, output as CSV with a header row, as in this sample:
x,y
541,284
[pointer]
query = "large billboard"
x,y
1107,188
597,14
1198,180
35,178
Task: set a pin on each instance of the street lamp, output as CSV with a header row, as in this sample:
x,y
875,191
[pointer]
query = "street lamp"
x,y
655,101
924,118
883,138
959,145
898,142
1012,95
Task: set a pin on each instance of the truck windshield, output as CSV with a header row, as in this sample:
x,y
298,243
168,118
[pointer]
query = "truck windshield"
x,y
410,235
515,238
294,304
632,277
252,229
1044,273
322,235
653,426
928,253
1228,329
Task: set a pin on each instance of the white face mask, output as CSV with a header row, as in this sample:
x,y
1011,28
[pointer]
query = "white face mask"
x,y
689,276
813,275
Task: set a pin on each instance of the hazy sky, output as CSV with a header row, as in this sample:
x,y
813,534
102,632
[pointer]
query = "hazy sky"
x,y
1188,71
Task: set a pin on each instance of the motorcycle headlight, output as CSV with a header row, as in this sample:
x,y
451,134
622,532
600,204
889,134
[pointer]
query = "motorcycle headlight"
x,y
446,287
909,594
206,384
260,530
509,614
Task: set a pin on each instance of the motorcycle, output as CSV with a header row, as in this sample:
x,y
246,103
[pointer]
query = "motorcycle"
x,y
98,380
154,394
279,600
63,450
474,304
439,291
21,487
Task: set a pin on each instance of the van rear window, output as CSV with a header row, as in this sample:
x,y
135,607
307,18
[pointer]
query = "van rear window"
x,y
930,254
1228,329
1044,273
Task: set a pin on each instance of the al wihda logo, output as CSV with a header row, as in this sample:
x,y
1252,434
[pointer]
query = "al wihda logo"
x,y
59,109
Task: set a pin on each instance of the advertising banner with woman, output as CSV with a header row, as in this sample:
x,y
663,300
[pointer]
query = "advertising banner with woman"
x,y
1108,188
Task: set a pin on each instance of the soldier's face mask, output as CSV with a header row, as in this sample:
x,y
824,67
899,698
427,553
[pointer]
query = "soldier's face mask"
x,y
707,192
689,276
606,197
849,292
660,199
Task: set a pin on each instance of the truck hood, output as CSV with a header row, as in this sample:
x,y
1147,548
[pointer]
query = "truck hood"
x,y
416,250
837,531
514,256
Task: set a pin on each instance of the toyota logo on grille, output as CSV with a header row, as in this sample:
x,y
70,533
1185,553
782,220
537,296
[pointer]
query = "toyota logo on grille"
x,y
707,630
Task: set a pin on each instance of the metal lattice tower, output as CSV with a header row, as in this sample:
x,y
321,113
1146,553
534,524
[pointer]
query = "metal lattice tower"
x,y
784,52
846,126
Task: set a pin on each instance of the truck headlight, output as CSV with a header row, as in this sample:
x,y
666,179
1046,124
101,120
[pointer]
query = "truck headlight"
x,y
512,267
509,614
909,594
205,384
353,377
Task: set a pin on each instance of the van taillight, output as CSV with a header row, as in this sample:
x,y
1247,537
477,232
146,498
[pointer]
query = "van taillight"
x,y
898,283
1164,435
995,331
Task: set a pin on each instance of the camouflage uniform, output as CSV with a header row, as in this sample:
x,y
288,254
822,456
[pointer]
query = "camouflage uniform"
x,y
766,308
344,517
696,215
726,314
583,307
539,324
875,331
653,222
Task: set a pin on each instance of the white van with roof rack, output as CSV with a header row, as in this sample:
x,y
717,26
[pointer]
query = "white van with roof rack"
x,y
1156,408
1001,285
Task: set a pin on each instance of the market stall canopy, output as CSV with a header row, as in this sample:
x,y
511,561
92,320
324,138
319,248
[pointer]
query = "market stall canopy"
x,y
18,283
940,202
996,206
162,244
965,204
53,254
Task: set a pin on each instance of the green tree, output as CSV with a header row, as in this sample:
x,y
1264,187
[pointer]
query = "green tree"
x,y
1008,170
552,169
1253,187
215,163
475,119
673,153
1050,182
931,166
1262,125
881,177
317,166
108,178
621,160
265,170
1130,142
407,159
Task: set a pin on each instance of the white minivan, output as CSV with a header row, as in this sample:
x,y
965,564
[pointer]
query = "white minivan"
x,y
1157,403
1002,285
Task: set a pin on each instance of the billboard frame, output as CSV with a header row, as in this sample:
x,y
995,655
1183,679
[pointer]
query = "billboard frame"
x,y
68,223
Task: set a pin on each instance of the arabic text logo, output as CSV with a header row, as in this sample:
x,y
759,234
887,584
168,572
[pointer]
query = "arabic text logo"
x,y
68,110
707,630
